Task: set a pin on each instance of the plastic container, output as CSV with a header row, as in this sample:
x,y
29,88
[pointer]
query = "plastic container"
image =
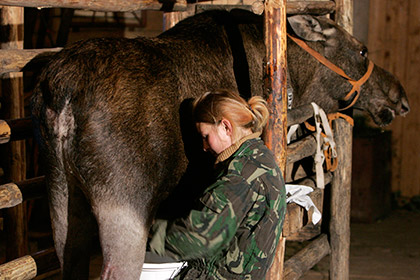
x,y
158,268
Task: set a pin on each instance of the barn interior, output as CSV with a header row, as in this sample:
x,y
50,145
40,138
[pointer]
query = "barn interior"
x,y
385,188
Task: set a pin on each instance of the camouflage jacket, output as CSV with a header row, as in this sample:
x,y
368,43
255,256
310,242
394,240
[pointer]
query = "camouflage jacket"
x,y
233,235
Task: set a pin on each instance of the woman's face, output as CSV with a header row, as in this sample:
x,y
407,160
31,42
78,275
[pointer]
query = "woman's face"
x,y
216,137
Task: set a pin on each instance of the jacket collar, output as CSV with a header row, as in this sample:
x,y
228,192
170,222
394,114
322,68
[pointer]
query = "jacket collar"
x,y
228,152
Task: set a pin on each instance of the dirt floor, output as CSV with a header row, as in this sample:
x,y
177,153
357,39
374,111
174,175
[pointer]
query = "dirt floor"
x,y
386,249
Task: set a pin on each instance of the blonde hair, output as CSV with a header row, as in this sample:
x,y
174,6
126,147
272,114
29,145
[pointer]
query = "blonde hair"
x,y
212,107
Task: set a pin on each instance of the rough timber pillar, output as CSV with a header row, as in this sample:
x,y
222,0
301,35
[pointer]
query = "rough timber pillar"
x,y
340,202
11,19
275,86
344,14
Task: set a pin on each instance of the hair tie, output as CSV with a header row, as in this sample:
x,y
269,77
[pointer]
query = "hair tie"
x,y
250,108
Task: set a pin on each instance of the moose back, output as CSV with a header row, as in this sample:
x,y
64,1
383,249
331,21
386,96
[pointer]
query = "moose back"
x,y
112,119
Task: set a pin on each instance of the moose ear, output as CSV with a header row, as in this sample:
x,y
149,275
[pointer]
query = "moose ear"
x,y
307,27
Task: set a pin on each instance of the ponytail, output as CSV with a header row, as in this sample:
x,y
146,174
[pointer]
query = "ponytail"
x,y
212,107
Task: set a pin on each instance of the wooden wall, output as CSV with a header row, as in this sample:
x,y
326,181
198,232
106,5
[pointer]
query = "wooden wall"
x,y
394,44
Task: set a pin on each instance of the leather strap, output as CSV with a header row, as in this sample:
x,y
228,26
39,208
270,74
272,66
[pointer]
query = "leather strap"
x,y
356,84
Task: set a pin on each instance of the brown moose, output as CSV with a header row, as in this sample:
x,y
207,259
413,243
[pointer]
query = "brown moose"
x,y
110,114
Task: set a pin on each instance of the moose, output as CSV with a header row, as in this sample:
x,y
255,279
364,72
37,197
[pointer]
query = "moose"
x,y
111,115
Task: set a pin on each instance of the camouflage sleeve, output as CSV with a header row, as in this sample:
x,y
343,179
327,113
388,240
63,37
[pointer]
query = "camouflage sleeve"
x,y
206,232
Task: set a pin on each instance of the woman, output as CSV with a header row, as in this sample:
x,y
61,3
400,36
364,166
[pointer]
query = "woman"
x,y
234,232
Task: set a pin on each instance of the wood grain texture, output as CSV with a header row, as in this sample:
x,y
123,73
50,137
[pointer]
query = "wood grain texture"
x,y
340,202
394,45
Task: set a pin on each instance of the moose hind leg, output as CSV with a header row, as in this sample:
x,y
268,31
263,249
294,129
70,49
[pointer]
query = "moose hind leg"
x,y
123,234
81,226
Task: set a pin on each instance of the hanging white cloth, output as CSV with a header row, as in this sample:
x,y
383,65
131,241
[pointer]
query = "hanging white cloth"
x,y
299,194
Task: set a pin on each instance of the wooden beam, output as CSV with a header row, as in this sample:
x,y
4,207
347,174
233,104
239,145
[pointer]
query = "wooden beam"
x,y
301,149
5,132
46,261
306,258
13,60
12,194
310,7
299,114
340,202
28,267
16,129
102,5
257,7
23,268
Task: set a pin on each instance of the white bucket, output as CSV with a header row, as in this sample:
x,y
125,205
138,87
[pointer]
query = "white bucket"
x,y
161,271
158,268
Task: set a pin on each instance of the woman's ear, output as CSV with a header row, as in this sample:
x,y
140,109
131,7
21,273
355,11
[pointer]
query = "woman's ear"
x,y
227,125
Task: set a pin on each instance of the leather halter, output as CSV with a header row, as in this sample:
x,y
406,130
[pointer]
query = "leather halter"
x,y
356,84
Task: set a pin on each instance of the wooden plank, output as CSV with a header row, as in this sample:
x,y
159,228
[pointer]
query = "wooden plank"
x,y
410,154
102,5
394,51
340,202
306,258
393,45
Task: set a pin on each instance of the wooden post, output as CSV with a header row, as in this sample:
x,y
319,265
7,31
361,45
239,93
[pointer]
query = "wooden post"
x,y
275,86
344,14
12,90
340,202
170,19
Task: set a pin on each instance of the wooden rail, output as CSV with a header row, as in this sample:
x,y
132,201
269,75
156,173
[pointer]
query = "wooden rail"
x,y
16,129
30,266
102,5
305,259
293,7
12,194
